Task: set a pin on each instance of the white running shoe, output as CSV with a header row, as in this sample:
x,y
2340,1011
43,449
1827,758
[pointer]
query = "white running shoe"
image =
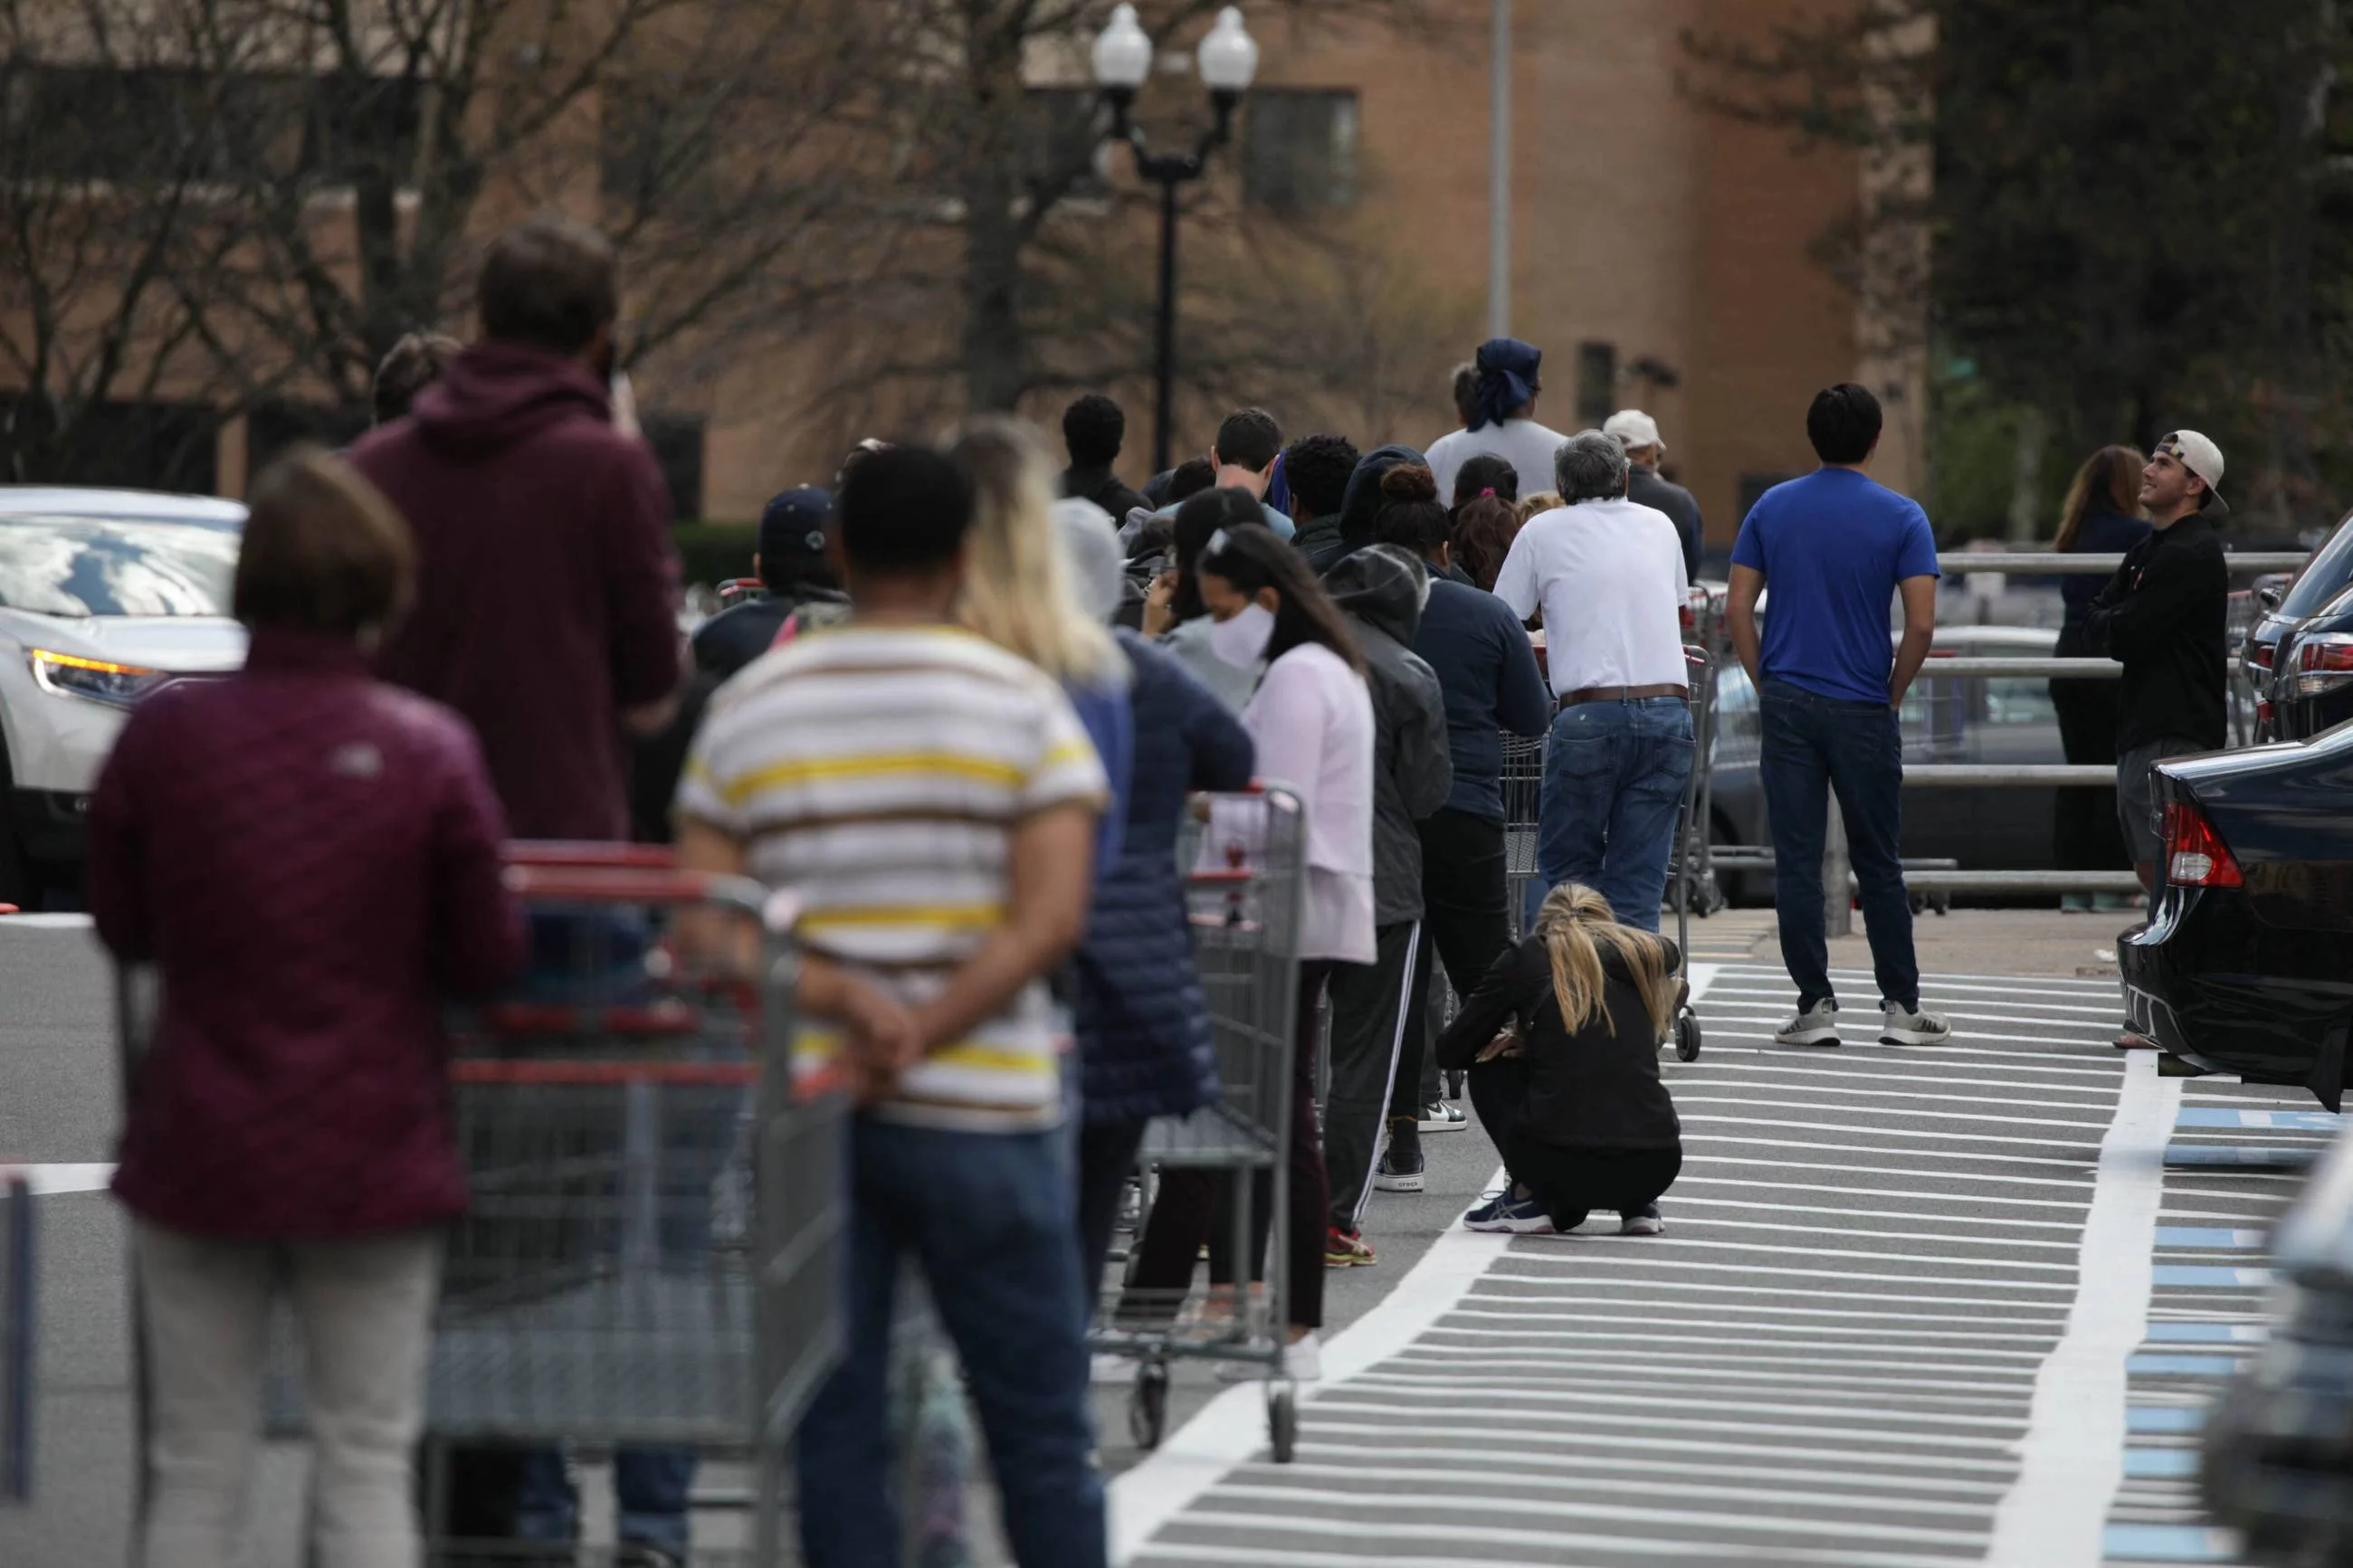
x,y
1817,1026
1907,1027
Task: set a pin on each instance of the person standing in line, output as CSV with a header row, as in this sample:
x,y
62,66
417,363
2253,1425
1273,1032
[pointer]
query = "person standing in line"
x,y
1479,539
546,616
2164,616
1639,433
793,562
1175,614
1608,575
1093,430
1140,1016
1248,445
1506,420
1486,477
932,799
1379,1031
1361,504
1312,720
310,858
1320,467
1835,547
1486,668
1561,1043
1466,393
2102,517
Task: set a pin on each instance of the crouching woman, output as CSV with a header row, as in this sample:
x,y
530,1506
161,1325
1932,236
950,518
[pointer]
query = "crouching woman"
x,y
1561,1042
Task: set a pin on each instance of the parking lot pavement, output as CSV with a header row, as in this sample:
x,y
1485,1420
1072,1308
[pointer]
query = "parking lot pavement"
x,y
1864,1340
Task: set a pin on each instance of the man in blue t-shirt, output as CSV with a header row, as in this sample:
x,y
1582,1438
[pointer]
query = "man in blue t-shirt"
x,y
1835,546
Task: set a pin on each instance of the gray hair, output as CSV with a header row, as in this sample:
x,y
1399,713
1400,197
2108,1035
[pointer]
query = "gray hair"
x,y
1590,466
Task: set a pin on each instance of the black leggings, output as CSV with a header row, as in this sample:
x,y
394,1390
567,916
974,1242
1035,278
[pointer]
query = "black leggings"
x,y
1569,1181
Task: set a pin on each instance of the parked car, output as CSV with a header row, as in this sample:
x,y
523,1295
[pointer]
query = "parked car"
x,y
2278,1462
2241,967
2281,606
2311,687
104,596
1994,720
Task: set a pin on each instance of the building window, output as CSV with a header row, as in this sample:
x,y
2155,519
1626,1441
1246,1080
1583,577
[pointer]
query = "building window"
x,y
1299,150
1596,382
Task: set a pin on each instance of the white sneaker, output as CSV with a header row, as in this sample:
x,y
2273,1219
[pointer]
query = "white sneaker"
x,y
1906,1027
1817,1026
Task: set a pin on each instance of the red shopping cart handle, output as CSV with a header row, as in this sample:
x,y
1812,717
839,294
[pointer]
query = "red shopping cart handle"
x,y
636,1021
621,884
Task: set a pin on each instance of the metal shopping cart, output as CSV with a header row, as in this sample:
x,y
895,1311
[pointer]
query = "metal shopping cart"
x,y
1694,877
1248,852
651,1254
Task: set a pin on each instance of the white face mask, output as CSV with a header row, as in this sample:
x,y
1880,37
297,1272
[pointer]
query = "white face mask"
x,y
1242,640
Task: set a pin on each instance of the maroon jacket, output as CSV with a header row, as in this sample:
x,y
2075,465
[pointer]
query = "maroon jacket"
x,y
312,860
547,587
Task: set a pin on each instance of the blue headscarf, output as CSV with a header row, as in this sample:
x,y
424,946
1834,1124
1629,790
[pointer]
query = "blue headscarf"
x,y
1507,379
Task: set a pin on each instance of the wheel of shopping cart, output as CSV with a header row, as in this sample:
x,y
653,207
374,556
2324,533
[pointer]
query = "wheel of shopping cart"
x,y
1687,1035
1147,1407
1282,1421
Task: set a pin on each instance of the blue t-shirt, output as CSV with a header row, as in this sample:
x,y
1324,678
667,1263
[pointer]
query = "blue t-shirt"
x,y
1833,546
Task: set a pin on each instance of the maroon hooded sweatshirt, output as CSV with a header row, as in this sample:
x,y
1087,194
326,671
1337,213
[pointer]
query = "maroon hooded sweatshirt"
x,y
546,588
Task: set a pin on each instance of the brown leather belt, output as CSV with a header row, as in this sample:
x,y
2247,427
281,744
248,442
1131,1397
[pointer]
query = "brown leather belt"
x,y
1617,694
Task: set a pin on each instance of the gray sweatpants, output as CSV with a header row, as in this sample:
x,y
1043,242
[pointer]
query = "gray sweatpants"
x,y
1369,1020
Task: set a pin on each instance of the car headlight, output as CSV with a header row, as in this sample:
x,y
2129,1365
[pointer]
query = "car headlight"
x,y
70,675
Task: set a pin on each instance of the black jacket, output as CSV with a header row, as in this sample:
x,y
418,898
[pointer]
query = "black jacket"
x,y
1644,488
1101,487
1319,540
2163,615
735,637
1380,590
1598,1088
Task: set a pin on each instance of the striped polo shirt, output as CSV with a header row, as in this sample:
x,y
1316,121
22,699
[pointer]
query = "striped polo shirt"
x,y
876,771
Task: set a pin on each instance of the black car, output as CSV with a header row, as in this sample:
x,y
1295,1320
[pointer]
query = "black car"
x,y
2246,963
2326,576
2312,688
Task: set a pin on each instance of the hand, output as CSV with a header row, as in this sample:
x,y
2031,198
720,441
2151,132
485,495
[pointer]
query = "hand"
x,y
1506,1043
884,1041
1158,616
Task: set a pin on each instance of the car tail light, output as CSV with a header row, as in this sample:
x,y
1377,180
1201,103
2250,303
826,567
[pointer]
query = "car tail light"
x,y
2262,654
2195,855
2324,661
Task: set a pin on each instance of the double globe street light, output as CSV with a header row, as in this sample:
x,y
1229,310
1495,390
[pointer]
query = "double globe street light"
x,y
1228,59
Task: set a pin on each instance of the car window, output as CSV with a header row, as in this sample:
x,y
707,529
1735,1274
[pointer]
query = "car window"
x,y
115,566
2323,575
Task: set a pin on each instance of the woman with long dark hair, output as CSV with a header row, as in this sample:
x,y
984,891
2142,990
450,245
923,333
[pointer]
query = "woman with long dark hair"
x,y
1312,719
2102,516
1174,612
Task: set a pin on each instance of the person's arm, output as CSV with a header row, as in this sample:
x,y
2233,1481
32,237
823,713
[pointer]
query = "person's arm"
x,y
1523,703
2175,585
1695,534
1049,871
1740,614
1512,982
1221,751
1919,631
477,927
1425,760
1515,582
641,594
116,873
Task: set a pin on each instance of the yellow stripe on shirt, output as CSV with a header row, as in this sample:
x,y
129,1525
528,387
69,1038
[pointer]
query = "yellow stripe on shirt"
x,y
928,917
954,764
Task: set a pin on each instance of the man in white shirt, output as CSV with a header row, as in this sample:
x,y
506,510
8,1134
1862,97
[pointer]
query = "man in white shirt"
x,y
1505,420
1608,575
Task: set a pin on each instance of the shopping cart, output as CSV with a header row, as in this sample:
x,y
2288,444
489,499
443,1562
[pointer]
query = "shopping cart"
x,y
1243,897
17,1344
1694,879
650,1252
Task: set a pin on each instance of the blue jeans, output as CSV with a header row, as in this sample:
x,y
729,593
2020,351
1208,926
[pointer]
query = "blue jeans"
x,y
651,1487
1613,797
1812,745
989,1217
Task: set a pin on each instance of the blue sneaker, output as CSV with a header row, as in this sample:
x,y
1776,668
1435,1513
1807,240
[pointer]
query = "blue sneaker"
x,y
1519,1216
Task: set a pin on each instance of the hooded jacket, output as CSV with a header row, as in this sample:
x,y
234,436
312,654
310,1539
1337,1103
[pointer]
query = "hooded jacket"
x,y
547,587
1381,590
2164,616
1360,503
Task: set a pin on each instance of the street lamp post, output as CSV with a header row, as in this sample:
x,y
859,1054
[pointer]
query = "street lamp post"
x,y
1122,59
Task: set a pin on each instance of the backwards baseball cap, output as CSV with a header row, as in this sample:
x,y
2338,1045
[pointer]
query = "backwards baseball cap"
x,y
792,530
1633,429
2197,454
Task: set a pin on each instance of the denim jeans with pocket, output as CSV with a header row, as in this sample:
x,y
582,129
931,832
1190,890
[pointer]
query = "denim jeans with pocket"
x,y
1613,798
1814,745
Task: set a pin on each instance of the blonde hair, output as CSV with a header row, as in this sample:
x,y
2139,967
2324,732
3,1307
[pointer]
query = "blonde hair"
x,y
1016,583
1575,924
1541,502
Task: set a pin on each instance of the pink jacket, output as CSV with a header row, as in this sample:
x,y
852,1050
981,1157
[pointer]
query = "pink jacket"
x,y
311,859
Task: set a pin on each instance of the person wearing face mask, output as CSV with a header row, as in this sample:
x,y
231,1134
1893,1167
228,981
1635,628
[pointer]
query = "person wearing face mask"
x,y
1312,720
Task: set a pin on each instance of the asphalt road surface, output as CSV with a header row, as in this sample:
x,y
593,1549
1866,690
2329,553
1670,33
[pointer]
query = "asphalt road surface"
x,y
1914,1306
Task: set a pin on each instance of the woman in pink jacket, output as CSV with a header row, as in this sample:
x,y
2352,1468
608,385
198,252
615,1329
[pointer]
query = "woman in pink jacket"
x,y
310,858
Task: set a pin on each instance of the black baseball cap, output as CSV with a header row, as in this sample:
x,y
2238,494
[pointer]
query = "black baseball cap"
x,y
793,526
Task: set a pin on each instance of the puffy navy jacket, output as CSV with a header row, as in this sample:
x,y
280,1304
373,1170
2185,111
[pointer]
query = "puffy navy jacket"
x,y
1142,1021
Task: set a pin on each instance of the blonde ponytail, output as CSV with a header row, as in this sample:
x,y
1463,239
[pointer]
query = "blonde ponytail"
x,y
1575,923
1017,586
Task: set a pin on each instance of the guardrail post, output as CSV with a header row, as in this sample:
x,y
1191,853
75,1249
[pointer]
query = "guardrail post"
x,y
1837,904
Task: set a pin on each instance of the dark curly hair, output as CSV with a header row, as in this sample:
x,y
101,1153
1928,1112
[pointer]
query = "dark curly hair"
x,y
1318,467
1093,428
